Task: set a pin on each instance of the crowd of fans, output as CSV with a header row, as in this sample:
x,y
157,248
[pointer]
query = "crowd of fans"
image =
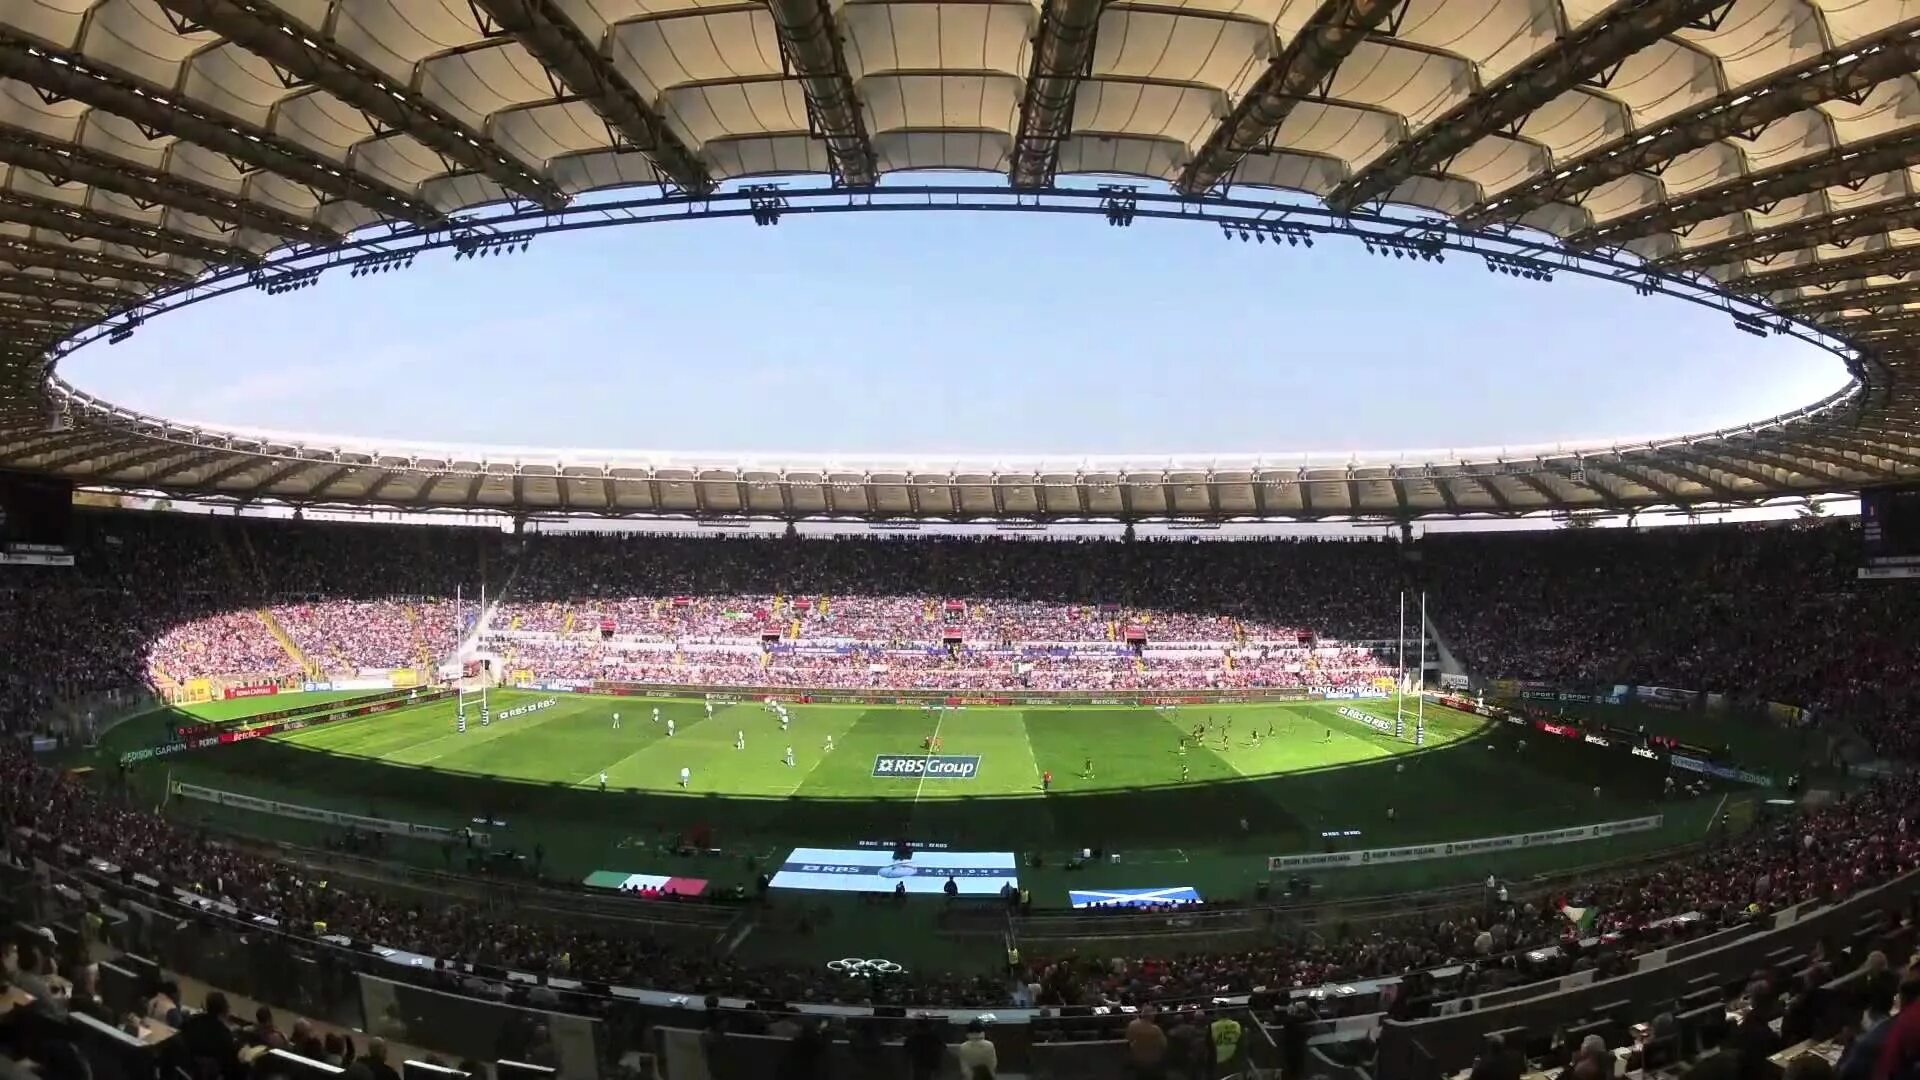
x,y
348,635
229,643
870,618
1770,612
930,667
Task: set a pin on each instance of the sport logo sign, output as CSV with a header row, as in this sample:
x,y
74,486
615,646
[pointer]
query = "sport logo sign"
x,y
928,766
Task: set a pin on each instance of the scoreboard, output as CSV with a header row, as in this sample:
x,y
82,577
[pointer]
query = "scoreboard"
x,y
36,520
1890,530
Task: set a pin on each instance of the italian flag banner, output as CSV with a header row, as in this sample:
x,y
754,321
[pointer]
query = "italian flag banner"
x,y
1582,918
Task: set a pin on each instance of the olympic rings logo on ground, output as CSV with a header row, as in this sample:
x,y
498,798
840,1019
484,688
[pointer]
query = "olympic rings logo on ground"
x,y
864,968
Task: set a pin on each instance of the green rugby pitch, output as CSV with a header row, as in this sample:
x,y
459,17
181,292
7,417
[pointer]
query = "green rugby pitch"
x,y
574,742
1318,772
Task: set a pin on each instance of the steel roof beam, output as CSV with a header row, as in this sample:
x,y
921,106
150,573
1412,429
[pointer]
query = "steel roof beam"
x,y
158,110
1846,299
1774,445
52,444
1895,262
1447,498
1890,322
72,163
51,288
1300,73
1843,165
284,472
39,213
91,452
202,456
543,29
157,453
264,31
1868,62
385,481
46,309
327,482
1767,457
1830,229
422,496
234,468
1740,464
35,334
810,43
1834,451
1062,57
1687,469
1493,492
1879,447
21,251
1644,480
1583,54
1607,498
1539,487
28,322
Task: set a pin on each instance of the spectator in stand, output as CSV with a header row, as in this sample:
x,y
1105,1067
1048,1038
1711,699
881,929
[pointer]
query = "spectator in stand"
x,y
976,1054
207,1036
1862,1056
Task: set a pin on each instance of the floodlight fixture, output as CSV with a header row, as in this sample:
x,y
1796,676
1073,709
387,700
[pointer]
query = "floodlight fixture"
x,y
766,202
1120,201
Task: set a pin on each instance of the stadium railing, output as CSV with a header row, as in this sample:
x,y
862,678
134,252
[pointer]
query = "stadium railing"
x,y
563,904
367,987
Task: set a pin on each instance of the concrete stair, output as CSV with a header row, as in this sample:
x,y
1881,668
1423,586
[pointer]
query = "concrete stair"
x,y
287,643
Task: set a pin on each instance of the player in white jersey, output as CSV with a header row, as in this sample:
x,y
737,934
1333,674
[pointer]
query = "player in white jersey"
x,y
829,744
603,781
709,710
686,776
789,757
656,714
616,721
783,721
669,727
739,740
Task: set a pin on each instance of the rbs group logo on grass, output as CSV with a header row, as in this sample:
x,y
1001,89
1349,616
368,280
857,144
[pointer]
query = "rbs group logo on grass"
x,y
928,767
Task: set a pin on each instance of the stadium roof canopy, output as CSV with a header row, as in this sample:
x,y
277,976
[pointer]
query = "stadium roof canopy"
x,y
1762,153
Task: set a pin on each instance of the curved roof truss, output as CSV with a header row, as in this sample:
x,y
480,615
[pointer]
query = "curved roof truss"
x,y
1759,156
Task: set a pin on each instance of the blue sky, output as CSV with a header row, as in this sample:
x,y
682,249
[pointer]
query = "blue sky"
x,y
953,333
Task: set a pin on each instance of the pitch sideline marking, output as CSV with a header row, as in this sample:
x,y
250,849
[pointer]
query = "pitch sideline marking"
x,y
1026,739
1717,811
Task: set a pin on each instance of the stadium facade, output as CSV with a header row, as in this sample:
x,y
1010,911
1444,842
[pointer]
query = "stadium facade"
x,y
1755,157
